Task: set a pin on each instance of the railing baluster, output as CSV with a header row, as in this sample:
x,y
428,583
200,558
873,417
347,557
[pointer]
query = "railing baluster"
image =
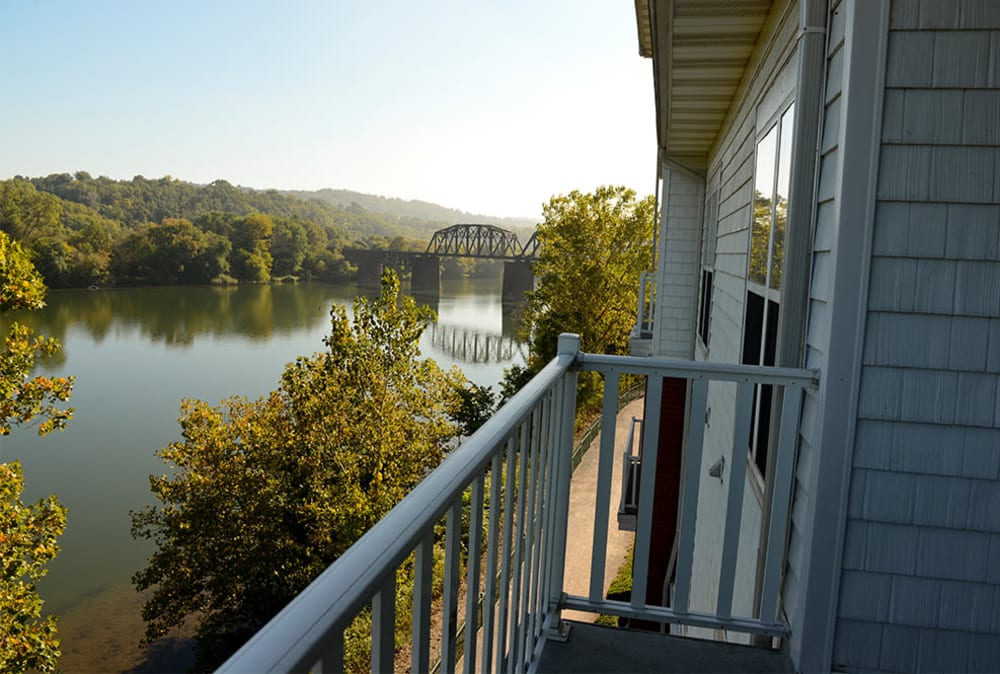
x,y
384,625
531,530
472,575
689,491
778,524
508,521
545,488
550,431
423,592
517,614
489,597
452,566
734,507
564,410
333,655
647,481
602,502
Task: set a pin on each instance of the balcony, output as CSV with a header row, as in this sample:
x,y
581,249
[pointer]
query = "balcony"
x,y
640,341
496,511
628,505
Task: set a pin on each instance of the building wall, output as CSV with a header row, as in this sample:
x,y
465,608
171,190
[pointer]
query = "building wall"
x,y
819,326
677,271
769,81
920,585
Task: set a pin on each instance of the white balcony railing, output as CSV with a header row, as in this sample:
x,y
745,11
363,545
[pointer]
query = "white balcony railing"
x,y
641,338
628,504
504,497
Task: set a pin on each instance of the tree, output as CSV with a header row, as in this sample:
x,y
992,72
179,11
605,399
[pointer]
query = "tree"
x,y
251,239
27,214
593,247
27,533
263,495
288,246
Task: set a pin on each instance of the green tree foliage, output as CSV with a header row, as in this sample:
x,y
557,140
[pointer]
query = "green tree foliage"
x,y
27,533
593,249
173,252
27,543
25,399
27,214
263,495
251,258
289,245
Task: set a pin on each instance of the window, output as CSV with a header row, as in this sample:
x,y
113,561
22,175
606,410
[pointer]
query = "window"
x,y
763,298
708,237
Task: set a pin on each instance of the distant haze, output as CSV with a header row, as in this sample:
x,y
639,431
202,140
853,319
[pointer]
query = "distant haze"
x,y
411,208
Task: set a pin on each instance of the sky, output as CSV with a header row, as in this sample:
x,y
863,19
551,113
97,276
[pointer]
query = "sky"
x,y
489,106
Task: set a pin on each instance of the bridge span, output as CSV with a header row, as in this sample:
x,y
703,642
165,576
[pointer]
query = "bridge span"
x,y
462,240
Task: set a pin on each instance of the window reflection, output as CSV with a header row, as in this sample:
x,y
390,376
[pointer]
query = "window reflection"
x,y
781,199
763,193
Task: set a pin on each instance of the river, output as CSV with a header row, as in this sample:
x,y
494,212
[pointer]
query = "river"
x,y
135,354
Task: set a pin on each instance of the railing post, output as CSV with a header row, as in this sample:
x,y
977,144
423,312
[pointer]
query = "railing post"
x,y
564,417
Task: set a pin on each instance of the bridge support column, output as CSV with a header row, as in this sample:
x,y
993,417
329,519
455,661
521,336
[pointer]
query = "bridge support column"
x,y
426,274
370,272
518,278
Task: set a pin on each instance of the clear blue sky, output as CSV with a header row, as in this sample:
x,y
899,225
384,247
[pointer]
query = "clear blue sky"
x,y
490,106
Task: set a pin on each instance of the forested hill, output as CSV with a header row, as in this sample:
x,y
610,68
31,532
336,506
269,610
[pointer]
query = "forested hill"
x,y
141,200
410,208
82,231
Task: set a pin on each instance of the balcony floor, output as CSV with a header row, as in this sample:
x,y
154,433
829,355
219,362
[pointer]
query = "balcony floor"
x,y
594,648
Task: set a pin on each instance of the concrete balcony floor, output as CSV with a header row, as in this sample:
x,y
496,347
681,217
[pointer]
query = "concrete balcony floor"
x,y
595,648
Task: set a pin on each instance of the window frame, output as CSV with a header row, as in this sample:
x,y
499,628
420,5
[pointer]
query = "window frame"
x,y
762,300
709,237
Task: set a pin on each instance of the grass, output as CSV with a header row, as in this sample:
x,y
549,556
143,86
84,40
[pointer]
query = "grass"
x,y
620,589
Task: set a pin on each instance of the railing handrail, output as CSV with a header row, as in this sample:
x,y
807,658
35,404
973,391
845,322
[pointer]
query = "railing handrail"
x,y
293,640
691,369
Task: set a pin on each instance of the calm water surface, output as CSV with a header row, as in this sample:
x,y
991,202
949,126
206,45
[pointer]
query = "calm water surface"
x,y
135,354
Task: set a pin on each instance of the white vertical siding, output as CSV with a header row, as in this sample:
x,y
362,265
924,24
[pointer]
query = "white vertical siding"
x,y
921,568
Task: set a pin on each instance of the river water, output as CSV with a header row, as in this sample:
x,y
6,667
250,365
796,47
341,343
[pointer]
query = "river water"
x,y
135,354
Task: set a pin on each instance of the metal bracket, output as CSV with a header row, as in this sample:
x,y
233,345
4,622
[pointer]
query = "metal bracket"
x,y
559,631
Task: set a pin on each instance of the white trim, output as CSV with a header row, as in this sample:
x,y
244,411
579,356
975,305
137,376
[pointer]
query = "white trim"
x,y
866,39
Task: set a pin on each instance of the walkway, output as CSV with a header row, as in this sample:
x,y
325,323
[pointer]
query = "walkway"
x,y
579,540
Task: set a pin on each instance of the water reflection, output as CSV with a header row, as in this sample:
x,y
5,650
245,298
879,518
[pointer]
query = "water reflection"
x,y
469,345
176,316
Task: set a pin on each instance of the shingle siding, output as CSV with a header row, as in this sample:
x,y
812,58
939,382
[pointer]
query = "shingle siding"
x,y
921,557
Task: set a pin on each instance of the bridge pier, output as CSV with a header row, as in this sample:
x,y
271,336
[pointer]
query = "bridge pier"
x,y
370,272
518,278
426,274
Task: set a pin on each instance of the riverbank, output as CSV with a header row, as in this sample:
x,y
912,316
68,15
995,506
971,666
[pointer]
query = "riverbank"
x,y
101,634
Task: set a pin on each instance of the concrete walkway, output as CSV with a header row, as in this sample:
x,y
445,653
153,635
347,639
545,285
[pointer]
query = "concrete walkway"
x,y
582,498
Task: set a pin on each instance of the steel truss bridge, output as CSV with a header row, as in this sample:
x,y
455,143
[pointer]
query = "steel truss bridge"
x,y
469,240
487,241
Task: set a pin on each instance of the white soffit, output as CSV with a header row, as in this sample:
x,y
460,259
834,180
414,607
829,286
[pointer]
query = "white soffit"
x,y
700,49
